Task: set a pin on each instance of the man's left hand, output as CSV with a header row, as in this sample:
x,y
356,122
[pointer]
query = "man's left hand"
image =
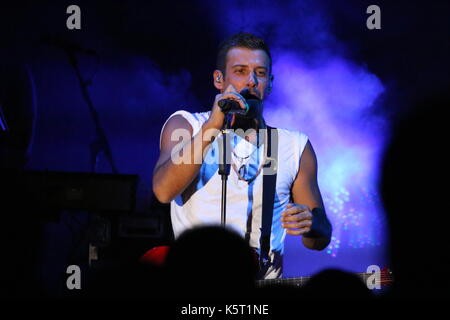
x,y
297,219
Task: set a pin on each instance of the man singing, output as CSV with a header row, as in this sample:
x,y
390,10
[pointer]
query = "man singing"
x,y
187,176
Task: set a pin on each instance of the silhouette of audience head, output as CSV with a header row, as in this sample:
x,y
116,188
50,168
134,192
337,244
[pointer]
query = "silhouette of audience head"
x,y
412,188
129,280
211,262
334,284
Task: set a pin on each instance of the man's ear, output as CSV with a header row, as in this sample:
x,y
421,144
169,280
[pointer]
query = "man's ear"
x,y
218,80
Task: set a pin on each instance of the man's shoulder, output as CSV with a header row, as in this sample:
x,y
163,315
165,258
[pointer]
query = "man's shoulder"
x,y
291,133
195,119
191,116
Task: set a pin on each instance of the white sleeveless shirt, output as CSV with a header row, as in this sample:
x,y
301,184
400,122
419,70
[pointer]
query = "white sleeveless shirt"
x,y
200,203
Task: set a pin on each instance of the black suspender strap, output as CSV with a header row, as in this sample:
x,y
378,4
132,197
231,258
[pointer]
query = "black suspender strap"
x,y
268,196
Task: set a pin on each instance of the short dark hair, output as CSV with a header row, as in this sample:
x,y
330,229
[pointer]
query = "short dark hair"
x,y
243,40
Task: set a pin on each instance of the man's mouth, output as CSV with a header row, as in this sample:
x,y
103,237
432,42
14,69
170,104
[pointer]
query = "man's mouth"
x,y
248,95
254,101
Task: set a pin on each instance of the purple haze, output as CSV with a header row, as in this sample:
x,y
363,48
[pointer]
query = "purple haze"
x,y
319,91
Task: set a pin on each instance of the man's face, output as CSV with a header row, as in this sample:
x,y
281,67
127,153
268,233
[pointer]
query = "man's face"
x,y
247,68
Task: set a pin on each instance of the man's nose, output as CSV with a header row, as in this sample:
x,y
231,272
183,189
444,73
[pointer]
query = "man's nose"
x,y
252,80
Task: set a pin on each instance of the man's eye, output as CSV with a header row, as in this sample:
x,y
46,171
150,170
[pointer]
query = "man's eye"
x,y
262,73
239,71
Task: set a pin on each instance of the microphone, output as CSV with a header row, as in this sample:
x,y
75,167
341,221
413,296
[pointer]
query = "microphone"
x,y
229,106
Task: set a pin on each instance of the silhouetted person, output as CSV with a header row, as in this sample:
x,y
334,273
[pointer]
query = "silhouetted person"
x,y
20,235
334,284
414,194
211,262
124,281
17,115
329,284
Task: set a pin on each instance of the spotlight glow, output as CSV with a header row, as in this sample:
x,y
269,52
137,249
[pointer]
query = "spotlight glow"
x,y
331,103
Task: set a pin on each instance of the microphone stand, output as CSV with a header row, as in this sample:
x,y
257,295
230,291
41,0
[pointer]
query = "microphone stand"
x,y
98,146
100,143
224,167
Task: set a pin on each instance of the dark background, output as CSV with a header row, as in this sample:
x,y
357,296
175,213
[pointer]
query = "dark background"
x,y
155,57
173,45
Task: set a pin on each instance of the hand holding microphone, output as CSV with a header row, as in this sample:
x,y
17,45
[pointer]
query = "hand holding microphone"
x,y
252,104
231,102
230,106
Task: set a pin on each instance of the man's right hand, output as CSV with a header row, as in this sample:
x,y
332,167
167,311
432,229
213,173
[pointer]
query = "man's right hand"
x,y
217,118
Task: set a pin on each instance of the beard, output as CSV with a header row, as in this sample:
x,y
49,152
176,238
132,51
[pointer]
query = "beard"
x,y
253,118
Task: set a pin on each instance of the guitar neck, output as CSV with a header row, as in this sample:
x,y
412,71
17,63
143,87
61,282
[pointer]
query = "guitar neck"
x,y
300,281
296,282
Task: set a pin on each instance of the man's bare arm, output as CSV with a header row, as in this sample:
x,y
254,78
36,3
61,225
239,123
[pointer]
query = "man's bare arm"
x,y
176,168
305,191
173,173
